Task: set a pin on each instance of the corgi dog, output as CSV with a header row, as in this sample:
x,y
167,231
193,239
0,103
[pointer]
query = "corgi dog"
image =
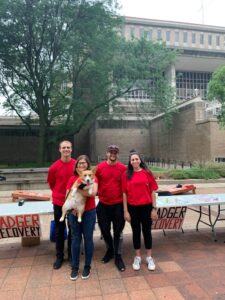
x,y
74,199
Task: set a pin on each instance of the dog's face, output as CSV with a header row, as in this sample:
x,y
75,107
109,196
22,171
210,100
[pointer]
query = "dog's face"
x,y
87,176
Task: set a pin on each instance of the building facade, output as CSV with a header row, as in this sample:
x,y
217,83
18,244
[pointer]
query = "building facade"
x,y
202,52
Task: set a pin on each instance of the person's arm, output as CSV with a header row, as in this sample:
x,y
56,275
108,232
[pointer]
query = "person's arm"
x,y
51,178
154,215
125,208
67,192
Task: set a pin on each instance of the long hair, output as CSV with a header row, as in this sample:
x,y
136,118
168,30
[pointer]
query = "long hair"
x,y
82,157
130,169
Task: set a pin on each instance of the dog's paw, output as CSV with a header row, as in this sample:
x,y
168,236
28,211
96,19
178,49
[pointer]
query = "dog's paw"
x,y
90,191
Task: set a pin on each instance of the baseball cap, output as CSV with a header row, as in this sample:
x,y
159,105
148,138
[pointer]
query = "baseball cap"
x,y
113,148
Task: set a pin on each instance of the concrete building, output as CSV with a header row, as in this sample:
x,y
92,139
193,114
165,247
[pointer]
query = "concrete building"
x,y
202,52
195,134
202,46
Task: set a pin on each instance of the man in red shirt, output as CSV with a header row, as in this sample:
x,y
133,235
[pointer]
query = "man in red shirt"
x,y
58,177
110,206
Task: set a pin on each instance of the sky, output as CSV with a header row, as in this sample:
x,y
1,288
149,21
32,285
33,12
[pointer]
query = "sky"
x,y
208,12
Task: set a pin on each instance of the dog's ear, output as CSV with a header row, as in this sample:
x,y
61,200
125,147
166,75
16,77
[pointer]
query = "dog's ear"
x,y
93,170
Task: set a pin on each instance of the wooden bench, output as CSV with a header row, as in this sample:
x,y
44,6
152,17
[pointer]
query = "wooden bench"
x,y
185,188
17,195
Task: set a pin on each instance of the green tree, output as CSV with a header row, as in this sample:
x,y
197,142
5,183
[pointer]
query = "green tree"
x,y
64,61
216,91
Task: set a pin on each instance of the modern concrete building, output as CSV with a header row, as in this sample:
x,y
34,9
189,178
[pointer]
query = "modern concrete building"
x,y
202,46
202,52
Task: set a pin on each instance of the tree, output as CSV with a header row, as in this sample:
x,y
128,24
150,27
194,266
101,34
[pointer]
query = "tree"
x,y
64,61
216,91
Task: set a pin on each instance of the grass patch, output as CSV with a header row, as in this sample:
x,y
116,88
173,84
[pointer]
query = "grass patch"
x,y
199,171
194,173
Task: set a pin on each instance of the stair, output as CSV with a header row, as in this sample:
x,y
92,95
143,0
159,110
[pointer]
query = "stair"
x,y
24,179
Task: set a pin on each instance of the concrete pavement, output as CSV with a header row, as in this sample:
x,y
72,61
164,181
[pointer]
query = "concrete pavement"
x,y
189,265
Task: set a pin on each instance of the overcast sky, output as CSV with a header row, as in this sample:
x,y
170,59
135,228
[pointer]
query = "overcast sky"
x,y
208,12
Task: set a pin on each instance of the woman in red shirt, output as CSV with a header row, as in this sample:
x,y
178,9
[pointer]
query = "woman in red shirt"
x,y
84,228
139,200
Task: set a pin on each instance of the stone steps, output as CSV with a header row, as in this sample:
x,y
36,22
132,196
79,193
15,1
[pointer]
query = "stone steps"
x,y
24,173
11,184
24,179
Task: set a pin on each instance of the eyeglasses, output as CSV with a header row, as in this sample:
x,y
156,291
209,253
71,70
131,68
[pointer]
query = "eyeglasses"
x,y
82,163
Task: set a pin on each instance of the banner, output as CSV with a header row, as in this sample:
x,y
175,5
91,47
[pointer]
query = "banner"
x,y
20,226
170,217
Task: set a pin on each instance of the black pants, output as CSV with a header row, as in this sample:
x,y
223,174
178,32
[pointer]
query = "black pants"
x,y
59,233
141,220
108,214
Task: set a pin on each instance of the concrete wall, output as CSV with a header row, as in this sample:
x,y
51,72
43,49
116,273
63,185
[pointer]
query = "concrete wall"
x,y
217,138
126,139
82,143
191,137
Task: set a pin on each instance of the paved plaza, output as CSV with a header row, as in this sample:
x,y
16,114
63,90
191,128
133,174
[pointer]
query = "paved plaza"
x,y
189,265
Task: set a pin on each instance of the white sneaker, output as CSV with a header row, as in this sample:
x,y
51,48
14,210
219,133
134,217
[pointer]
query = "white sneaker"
x,y
150,262
137,263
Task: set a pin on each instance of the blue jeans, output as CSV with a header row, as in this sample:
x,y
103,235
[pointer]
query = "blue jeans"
x,y
85,229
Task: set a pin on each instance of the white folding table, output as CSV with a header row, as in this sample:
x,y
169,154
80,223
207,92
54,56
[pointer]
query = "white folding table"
x,y
196,202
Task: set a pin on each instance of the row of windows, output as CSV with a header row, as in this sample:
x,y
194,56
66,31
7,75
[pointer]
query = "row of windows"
x,y
181,37
188,85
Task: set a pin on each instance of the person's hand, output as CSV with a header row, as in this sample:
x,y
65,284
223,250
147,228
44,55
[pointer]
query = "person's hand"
x,y
127,216
154,215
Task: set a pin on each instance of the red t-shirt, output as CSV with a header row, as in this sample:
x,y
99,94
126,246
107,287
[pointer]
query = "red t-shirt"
x,y
110,182
90,202
58,176
139,188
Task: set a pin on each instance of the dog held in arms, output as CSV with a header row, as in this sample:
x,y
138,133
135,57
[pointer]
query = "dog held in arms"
x,y
74,199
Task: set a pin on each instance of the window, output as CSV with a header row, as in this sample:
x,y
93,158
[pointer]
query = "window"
x,y
168,36
193,38
176,37
190,84
159,34
185,37
148,35
201,39
141,32
217,41
220,159
209,40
